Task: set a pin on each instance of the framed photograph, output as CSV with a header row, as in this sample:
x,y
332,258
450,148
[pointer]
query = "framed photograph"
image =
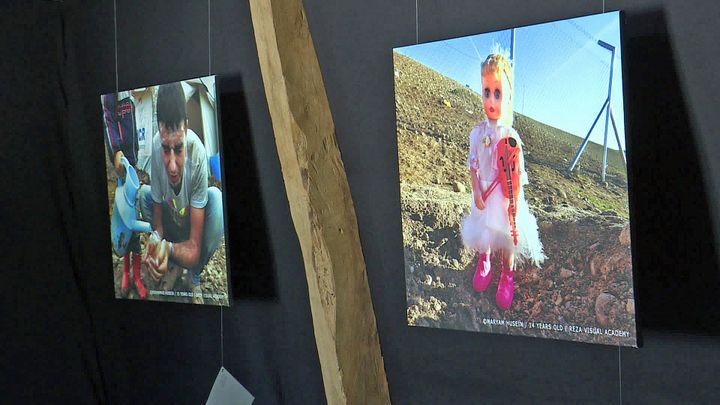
x,y
514,182
165,193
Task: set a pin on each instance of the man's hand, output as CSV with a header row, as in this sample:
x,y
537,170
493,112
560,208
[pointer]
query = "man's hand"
x,y
157,256
479,203
119,167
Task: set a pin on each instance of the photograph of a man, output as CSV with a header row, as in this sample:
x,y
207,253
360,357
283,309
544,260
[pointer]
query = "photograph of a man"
x,y
183,252
186,215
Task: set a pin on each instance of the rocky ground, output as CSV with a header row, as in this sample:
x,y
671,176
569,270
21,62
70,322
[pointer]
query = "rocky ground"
x,y
214,276
584,289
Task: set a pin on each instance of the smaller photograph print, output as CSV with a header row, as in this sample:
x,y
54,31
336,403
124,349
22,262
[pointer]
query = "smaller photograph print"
x,y
165,193
514,184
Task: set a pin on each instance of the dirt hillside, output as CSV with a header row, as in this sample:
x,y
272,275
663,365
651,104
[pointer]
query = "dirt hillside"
x,y
583,290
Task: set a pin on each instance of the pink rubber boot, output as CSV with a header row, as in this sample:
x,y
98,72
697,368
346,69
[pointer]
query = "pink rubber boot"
x,y
483,273
506,288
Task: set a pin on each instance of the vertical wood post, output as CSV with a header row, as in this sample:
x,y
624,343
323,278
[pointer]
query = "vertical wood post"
x,y
321,205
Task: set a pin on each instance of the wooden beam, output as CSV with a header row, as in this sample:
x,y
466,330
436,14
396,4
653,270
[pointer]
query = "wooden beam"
x,y
320,204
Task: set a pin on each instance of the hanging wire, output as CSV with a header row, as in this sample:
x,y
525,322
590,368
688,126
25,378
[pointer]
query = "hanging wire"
x,y
417,29
117,80
620,373
209,52
222,326
222,340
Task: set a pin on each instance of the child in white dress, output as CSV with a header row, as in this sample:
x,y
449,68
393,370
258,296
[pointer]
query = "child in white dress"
x,y
499,219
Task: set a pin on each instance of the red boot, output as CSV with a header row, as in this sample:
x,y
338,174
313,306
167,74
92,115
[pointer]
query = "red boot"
x,y
506,288
483,273
137,277
125,283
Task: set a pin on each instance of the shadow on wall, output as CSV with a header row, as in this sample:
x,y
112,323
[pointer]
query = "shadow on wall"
x,y
250,256
675,256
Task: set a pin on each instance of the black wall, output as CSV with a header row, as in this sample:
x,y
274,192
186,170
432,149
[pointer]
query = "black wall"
x,y
68,339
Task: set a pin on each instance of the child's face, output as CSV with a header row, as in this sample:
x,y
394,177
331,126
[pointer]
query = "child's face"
x,y
494,94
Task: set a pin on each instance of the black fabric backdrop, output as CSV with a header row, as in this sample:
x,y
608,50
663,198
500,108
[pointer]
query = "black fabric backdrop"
x,y
66,339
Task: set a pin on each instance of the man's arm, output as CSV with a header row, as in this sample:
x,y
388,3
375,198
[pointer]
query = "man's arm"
x,y
156,254
187,253
157,219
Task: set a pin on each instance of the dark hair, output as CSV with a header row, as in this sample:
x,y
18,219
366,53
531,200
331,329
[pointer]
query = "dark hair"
x,y
171,106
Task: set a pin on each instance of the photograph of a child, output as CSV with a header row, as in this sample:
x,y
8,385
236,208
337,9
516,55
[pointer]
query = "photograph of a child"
x,y
165,193
513,182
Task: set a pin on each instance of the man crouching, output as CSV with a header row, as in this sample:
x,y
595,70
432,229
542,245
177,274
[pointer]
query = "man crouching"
x,y
186,215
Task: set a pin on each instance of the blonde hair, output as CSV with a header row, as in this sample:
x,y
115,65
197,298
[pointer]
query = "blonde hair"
x,y
499,62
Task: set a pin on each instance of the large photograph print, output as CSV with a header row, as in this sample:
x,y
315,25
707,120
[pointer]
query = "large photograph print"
x,y
514,184
165,193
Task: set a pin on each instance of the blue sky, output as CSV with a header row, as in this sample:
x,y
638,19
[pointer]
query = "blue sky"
x,y
561,73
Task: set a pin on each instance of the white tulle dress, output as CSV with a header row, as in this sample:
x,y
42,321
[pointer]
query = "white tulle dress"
x,y
490,228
